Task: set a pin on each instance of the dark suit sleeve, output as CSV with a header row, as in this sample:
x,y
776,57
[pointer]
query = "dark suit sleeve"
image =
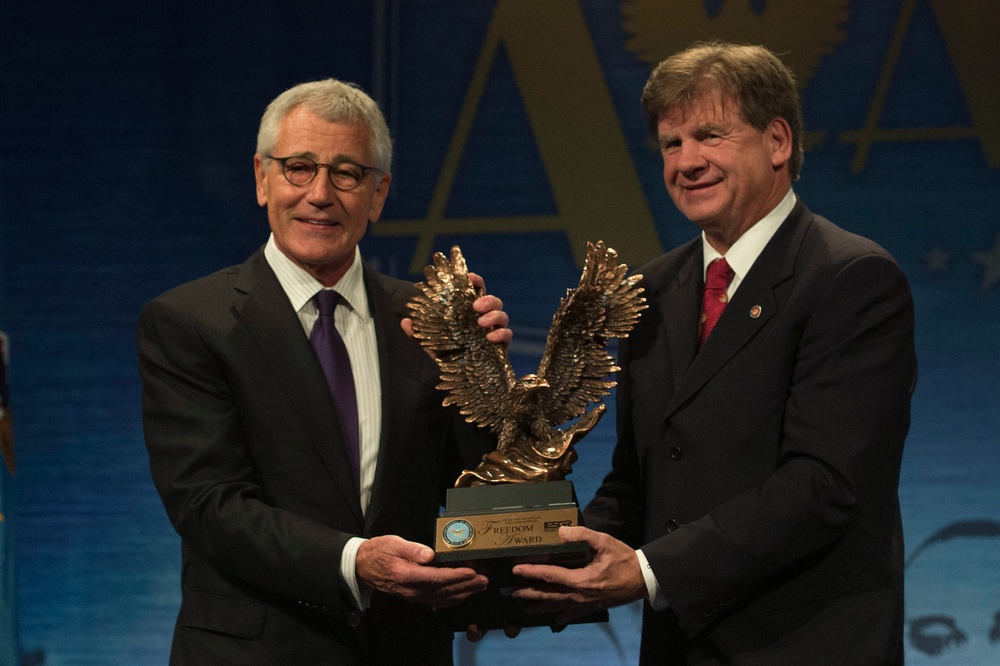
x,y
847,360
619,508
208,480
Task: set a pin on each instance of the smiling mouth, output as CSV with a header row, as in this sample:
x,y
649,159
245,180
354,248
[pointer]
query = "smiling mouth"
x,y
694,187
317,223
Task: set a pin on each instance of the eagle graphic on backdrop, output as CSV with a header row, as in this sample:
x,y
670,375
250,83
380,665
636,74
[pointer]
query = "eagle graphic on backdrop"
x,y
801,34
526,412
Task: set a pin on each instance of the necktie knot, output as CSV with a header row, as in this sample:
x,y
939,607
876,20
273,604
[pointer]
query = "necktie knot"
x,y
326,302
719,274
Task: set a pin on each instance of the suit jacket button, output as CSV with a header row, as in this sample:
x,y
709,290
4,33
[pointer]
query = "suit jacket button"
x,y
353,619
676,453
672,525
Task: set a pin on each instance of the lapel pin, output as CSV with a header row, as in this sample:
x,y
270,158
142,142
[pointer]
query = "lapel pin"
x,y
755,312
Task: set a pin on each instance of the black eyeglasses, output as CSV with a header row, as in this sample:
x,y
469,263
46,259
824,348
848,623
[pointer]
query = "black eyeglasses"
x,y
301,171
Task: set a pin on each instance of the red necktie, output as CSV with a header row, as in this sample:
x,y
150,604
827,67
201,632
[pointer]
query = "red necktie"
x,y
716,282
332,353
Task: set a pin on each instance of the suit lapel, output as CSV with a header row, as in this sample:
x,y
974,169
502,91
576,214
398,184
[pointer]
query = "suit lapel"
x,y
752,307
400,372
263,307
682,297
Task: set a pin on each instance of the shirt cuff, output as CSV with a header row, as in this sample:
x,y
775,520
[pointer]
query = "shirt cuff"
x,y
348,572
656,598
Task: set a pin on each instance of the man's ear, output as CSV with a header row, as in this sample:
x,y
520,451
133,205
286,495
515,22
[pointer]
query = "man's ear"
x,y
260,175
378,197
779,134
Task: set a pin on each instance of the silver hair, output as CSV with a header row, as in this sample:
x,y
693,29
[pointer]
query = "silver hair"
x,y
334,101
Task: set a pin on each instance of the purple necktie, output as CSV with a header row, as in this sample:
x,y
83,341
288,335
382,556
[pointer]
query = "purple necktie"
x,y
336,364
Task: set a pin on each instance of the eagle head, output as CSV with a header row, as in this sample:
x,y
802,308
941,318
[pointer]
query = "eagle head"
x,y
528,392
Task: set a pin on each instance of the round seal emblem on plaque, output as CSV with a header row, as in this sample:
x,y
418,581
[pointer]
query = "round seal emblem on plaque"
x,y
458,533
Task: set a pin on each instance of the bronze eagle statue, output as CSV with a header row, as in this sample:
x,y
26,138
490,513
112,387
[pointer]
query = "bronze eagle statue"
x,y
526,412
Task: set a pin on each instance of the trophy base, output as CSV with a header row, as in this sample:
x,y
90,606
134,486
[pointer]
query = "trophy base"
x,y
492,609
493,528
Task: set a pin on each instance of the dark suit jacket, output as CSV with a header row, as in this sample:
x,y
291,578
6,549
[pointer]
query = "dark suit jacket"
x,y
247,455
760,475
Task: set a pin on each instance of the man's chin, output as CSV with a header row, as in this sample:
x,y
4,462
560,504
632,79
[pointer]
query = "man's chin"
x,y
705,219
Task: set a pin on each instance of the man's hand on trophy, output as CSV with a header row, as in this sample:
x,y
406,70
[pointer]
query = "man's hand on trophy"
x,y
400,567
612,578
492,318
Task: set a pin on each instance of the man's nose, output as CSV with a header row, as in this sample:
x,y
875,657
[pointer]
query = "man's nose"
x,y
689,157
321,190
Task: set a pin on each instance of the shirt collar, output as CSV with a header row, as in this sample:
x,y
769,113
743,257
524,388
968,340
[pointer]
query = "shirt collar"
x,y
744,252
300,287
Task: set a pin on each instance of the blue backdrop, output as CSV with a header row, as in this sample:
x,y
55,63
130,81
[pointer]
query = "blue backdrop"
x,y
126,142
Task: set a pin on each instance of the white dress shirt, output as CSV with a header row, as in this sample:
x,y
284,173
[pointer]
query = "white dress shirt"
x,y
355,324
740,257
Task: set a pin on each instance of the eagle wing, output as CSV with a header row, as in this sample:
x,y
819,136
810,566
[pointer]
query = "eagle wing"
x,y
475,373
800,35
606,304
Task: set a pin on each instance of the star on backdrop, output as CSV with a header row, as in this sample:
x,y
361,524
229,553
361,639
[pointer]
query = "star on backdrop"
x,y
937,260
991,262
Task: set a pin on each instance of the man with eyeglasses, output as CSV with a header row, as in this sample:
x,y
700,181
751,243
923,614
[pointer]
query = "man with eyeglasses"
x,y
303,522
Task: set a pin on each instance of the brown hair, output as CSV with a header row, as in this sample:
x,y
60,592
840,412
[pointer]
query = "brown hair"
x,y
760,84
